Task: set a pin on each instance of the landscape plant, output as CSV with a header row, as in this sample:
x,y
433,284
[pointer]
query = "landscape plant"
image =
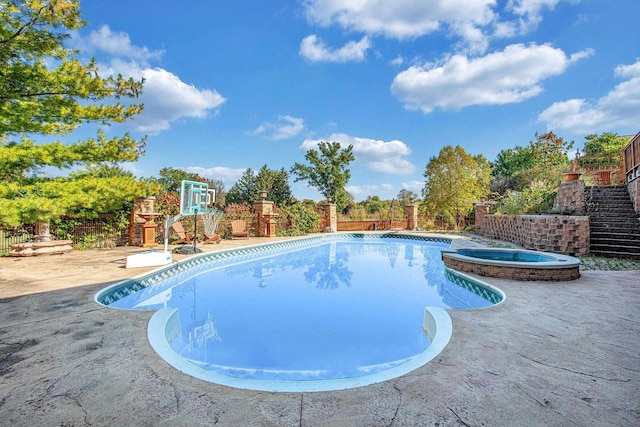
x,y
47,90
302,219
327,171
454,178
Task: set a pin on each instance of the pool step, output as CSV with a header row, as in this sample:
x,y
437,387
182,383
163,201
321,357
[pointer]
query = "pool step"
x,y
614,224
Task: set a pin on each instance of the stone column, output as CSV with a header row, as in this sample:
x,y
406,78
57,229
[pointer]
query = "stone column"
x,y
42,232
330,211
481,209
140,205
411,215
261,208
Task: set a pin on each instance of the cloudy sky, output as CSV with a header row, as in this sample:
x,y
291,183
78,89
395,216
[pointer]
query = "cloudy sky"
x,y
231,85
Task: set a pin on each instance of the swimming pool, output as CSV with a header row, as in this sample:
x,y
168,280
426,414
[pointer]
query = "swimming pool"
x,y
319,313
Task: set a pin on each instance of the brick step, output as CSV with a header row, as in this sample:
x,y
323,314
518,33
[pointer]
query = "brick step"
x,y
630,214
621,201
609,209
608,195
614,235
614,217
608,202
614,223
623,195
614,254
631,245
615,248
601,230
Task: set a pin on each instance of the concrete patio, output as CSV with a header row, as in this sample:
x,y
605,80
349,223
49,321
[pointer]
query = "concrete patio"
x,y
555,353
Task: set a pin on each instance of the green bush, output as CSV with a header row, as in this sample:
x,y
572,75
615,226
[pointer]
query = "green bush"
x,y
302,219
538,197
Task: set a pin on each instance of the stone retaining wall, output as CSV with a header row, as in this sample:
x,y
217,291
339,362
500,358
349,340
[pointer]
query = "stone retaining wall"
x,y
562,234
570,198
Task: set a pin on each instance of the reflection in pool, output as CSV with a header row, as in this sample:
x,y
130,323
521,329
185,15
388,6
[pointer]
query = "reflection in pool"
x,y
330,310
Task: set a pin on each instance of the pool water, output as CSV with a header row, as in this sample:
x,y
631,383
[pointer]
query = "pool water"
x,y
332,310
514,256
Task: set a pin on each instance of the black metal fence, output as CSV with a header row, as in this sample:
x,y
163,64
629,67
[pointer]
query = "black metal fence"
x,y
103,231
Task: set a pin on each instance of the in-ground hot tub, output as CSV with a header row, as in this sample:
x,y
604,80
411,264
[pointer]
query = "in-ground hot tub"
x,y
516,264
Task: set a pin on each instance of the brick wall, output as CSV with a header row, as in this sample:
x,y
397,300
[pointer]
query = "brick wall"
x,y
562,234
570,198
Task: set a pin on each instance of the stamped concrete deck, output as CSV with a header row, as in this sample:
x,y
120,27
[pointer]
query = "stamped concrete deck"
x,y
560,354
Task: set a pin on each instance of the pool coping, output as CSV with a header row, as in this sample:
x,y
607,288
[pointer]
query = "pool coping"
x,y
164,327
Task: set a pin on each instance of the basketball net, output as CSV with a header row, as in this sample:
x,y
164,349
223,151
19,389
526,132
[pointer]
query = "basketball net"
x,y
211,218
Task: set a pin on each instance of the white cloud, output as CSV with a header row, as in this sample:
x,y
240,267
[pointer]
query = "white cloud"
x,y
519,17
408,19
119,45
620,108
399,60
377,156
398,19
415,186
509,76
166,98
227,175
475,22
315,50
285,127
359,192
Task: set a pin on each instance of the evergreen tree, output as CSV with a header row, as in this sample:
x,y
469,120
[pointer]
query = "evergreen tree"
x,y
45,89
245,190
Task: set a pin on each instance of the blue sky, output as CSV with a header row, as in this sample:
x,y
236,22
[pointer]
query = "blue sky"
x,y
231,85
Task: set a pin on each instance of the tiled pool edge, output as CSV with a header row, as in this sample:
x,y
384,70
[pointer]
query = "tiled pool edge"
x,y
164,327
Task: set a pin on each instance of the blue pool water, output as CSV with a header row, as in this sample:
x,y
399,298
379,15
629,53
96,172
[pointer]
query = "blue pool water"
x,y
329,310
509,256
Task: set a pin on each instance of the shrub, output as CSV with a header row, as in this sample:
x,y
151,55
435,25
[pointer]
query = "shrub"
x,y
303,219
537,198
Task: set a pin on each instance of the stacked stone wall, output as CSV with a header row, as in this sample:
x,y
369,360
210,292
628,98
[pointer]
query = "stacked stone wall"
x,y
562,234
570,198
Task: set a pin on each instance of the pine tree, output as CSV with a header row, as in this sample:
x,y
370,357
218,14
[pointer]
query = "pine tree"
x,y
45,89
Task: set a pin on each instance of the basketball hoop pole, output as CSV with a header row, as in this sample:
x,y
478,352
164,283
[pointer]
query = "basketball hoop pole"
x,y
195,230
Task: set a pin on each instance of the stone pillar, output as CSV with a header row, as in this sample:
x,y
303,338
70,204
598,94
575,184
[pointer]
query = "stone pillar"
x,y
262,208
330,211
140,205
411,215
42,232
481,209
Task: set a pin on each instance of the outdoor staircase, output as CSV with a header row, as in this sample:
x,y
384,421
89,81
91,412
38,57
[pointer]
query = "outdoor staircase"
x,y
614,224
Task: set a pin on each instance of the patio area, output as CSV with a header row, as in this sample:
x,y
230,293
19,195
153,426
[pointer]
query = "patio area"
x,y
555,353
